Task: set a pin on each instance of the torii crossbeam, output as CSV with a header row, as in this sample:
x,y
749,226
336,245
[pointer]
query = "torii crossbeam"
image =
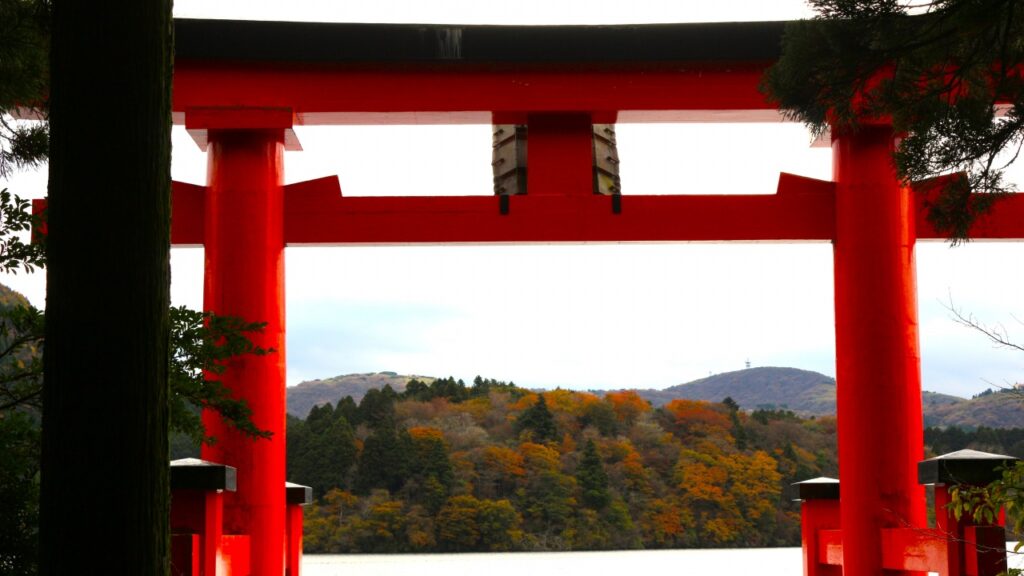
x,y
240,87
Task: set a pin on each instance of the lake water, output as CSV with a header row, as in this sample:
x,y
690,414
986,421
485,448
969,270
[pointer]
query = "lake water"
x,y
735,562
769,562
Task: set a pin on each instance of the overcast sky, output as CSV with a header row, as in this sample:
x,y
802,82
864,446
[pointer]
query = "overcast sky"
x,y
593,316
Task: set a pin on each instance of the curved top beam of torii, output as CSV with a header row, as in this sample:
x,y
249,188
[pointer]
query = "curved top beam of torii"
x,y
237,75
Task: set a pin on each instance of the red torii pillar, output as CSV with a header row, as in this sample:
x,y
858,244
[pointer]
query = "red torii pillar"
x,y
244,242
877,351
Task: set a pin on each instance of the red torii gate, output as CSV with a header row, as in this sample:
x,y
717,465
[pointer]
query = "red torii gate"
x,y
240,87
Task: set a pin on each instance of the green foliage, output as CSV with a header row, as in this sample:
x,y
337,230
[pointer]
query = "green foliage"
x,y
382,527
1008,441
16,218
321,449
21,333
457,527
453,390
483,386
537,420
201,345
983,503
430,477
19,492
601,416
731,404
24,68
939,72
417,390
548,506
738,432
200,342
384,461
377,409
348,409
765,415
500,526
21,366
592,479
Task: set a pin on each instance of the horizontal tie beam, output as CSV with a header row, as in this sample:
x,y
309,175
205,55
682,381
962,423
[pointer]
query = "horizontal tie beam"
x,y
477,96
317,214
801,211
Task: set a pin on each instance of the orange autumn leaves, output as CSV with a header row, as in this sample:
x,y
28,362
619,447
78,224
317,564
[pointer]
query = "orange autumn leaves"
x,y
616,473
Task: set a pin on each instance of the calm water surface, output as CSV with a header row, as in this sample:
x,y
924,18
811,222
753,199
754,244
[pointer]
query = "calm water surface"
x,y
738,562
766,562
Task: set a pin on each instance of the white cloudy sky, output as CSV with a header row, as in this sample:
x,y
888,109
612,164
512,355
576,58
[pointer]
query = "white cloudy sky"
x,y
593,316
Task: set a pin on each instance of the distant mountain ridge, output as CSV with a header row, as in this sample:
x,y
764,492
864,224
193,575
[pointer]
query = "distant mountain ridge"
x,y
302,397
769,387
993,409
804,392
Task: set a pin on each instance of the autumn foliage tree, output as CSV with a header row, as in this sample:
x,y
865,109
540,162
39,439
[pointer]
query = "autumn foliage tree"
x,y
433,474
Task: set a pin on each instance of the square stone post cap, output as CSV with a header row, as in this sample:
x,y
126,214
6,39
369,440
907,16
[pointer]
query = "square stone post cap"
x,y
196,474
298,494
820,488
962,467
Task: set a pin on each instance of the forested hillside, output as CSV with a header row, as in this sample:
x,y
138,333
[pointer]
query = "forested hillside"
x,y
1003,408
20,432
803,392
450,467
1008,441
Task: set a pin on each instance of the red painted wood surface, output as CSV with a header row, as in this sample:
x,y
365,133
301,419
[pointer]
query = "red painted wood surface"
x,y
877,349
237,557
949,525
185,555
293,561
818,517
201,513
560,155
479,95
316,213
916,549
973,551
188,209
830,547
984,550
244,253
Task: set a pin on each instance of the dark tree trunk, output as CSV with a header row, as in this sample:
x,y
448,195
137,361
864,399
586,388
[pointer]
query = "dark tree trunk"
x,y
104,500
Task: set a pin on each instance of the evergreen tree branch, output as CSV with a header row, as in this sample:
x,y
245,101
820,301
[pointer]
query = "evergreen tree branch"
x,y
936,70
